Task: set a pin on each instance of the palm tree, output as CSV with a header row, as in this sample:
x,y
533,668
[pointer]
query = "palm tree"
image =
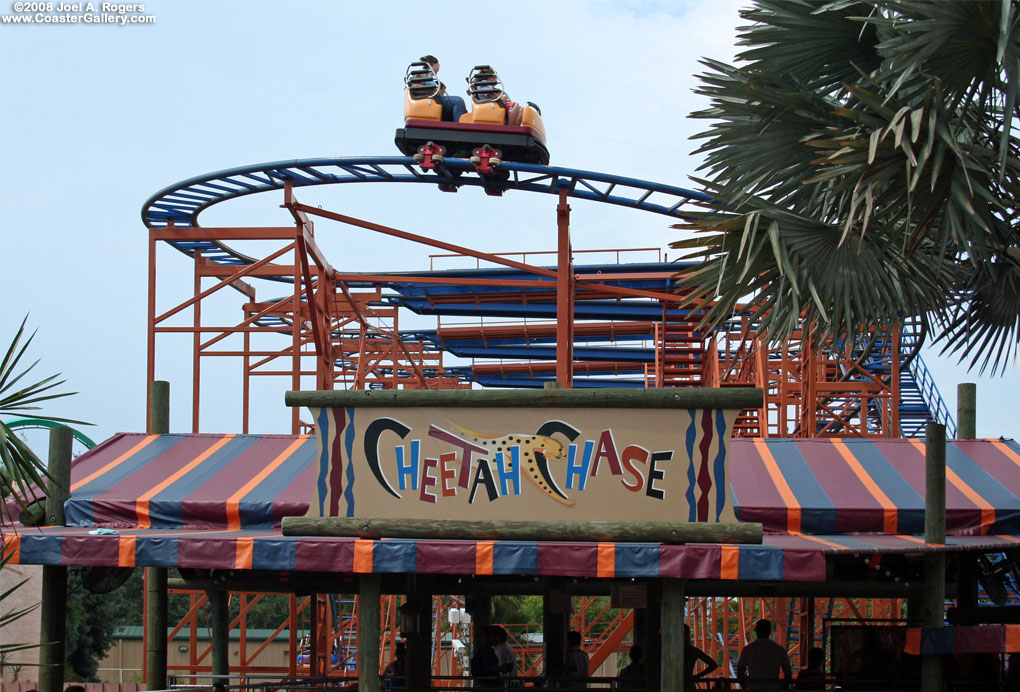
x,y
20,468
866,168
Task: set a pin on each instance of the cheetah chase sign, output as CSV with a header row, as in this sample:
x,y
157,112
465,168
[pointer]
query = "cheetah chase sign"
x,y
545,463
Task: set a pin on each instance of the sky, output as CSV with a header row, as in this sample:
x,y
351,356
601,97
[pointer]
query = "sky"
x,y
95,118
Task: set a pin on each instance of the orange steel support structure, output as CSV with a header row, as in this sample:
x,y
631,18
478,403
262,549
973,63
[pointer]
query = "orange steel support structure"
x,y
328,329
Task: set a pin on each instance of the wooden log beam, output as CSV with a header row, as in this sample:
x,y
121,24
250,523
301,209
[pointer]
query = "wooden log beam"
x,y
52,627
480,529
368,632
156,577
729,398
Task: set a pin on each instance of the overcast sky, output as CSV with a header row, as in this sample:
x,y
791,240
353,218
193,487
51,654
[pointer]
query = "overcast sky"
x,y
95,118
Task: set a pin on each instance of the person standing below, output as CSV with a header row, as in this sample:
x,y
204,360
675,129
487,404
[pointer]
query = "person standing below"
x,y
484,664
453,106
577,661
762,661
632,677
505,654
396,669
692,655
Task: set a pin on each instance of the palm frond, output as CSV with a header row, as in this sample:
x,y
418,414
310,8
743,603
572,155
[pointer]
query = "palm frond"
x,y
866,155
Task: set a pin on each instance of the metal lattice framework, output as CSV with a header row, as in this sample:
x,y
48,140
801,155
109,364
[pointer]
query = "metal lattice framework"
x,y
583,325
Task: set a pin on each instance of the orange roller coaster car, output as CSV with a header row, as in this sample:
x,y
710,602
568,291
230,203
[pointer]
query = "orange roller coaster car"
x,y
495,128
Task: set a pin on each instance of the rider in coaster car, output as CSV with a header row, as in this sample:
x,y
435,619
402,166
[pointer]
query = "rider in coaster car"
x,y
453,106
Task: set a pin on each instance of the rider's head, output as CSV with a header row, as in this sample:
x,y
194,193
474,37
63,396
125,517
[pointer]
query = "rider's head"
x,y
432,60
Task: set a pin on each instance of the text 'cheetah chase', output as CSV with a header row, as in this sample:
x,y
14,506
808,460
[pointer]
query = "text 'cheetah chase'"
x,y
524,463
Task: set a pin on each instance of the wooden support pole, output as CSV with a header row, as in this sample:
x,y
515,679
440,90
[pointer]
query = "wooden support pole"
x,y
159,408
933,600
480,529
368,632
966,411
555,623
155,577
655,655
671,664
418,634
219,602
52,626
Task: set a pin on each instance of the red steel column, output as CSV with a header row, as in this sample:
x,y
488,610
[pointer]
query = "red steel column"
x,y
564,297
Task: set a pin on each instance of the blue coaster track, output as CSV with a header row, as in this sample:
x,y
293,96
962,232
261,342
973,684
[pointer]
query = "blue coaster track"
x,y
182,203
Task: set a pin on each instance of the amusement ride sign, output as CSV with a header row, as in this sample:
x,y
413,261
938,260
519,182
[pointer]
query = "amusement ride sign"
x,y
559,455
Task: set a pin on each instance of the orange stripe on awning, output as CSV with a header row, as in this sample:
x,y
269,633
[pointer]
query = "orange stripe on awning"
x,y
363,556
607,560
483,557
126,551
234,501
12,548
729,562
913,643
889,511
142,504
1004,448
1012,639
822,541
243,552
987,511
116,462
789,499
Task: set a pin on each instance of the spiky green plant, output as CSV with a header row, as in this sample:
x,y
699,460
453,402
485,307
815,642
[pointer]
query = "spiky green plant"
x,y
9,616
864,159
20,468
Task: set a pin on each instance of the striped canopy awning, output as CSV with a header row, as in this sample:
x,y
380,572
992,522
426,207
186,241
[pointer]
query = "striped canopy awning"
x,y
779,557
836,486
971,639
216,501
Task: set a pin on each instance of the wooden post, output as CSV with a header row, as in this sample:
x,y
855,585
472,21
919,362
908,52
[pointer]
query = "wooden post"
x,y
934,598
966,573
671,662
479,607
555,623
155,577
219,602
966,411
654,653
52,627
418,636
368,632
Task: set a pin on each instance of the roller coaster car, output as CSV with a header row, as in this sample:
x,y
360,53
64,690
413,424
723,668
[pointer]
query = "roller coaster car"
x,y
495,122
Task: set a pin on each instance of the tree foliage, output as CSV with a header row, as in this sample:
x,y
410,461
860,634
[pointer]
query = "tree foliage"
x,y
89,628
20,468
866,169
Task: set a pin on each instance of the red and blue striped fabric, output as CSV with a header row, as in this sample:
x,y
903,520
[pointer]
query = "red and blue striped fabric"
x,y
191,481
971,639
835,486
216,501
791,558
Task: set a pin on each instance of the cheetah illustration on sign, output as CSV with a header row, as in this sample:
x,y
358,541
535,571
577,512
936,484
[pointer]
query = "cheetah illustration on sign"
x,y
536,451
